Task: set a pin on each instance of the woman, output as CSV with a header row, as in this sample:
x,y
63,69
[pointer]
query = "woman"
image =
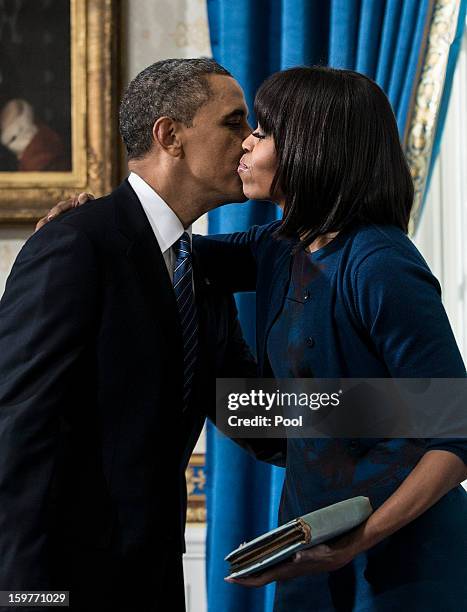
x,y
342,292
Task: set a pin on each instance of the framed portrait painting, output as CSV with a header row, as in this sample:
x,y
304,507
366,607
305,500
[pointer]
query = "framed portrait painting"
x,y
58,88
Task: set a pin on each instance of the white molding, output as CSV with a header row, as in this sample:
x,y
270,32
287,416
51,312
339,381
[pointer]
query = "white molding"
x,y
194,562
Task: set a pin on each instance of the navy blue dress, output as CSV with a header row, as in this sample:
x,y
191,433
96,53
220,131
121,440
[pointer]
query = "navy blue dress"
x,y
365,305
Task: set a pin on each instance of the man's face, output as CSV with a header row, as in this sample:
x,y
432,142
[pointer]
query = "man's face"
x,y
213,144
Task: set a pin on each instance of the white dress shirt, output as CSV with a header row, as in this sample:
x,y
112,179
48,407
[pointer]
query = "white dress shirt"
x,y
165,224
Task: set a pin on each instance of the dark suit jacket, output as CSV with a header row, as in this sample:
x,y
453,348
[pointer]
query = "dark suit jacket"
x,y
93,440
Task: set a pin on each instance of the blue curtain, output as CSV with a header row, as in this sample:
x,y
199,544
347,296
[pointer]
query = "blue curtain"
x,y
381,38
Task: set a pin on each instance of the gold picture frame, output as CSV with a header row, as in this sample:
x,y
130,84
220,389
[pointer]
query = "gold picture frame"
x,y
425,105
25,196
196,488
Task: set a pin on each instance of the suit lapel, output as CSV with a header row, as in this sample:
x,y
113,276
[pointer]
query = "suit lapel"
x,y
148,262
202,309
199,280
151,269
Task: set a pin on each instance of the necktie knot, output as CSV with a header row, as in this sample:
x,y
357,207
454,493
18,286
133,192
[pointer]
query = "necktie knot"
x,y
183,246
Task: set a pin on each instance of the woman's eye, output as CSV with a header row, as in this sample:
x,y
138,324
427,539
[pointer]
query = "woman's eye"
x,y
258,135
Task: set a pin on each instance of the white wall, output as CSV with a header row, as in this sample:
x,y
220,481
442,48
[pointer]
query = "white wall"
x,y
11,240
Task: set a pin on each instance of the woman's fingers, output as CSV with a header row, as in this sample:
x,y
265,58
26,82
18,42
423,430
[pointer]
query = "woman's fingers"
x,y
41,223
280,572
84,197
58,209
283,571
63,206
321,558
317,554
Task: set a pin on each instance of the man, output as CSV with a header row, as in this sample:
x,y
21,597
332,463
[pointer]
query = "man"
x,y
110,340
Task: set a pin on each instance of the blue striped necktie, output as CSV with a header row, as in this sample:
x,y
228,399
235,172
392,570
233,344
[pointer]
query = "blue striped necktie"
x,y
183,287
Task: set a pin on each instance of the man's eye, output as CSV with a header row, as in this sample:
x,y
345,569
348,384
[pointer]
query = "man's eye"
x,y
235,124
258,135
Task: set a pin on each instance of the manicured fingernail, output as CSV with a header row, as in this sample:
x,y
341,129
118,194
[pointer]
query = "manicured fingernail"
x,y
52,216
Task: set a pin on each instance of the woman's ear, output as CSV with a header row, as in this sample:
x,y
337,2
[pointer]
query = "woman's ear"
x,y
166,135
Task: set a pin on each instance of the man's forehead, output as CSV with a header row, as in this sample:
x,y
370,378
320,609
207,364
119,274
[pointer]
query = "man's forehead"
x,y
226,93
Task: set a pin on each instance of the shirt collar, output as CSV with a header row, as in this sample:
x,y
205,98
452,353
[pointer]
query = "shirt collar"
x,y
165,224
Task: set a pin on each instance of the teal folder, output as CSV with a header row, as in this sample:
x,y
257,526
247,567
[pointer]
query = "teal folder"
x,y
300,533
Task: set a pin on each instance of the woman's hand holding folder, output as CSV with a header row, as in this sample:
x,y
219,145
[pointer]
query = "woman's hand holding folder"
x,y
321,558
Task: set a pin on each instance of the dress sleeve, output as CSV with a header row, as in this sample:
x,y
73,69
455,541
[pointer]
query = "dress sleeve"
x,y
398,302
229,260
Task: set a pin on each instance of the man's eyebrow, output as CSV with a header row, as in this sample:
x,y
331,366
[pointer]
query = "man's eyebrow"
x,y
238,112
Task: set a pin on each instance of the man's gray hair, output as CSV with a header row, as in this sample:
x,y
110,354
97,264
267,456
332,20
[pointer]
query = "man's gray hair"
x,y
175,88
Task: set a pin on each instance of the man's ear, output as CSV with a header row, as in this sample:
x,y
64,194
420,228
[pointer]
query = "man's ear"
x,y
166,133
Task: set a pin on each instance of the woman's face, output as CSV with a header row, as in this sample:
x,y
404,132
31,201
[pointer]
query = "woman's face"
x,y
258,166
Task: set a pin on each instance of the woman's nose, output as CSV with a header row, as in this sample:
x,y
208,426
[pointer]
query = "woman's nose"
x,y
248,144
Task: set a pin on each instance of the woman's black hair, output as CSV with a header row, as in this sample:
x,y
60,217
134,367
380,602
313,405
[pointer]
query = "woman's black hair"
x,y
339,155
